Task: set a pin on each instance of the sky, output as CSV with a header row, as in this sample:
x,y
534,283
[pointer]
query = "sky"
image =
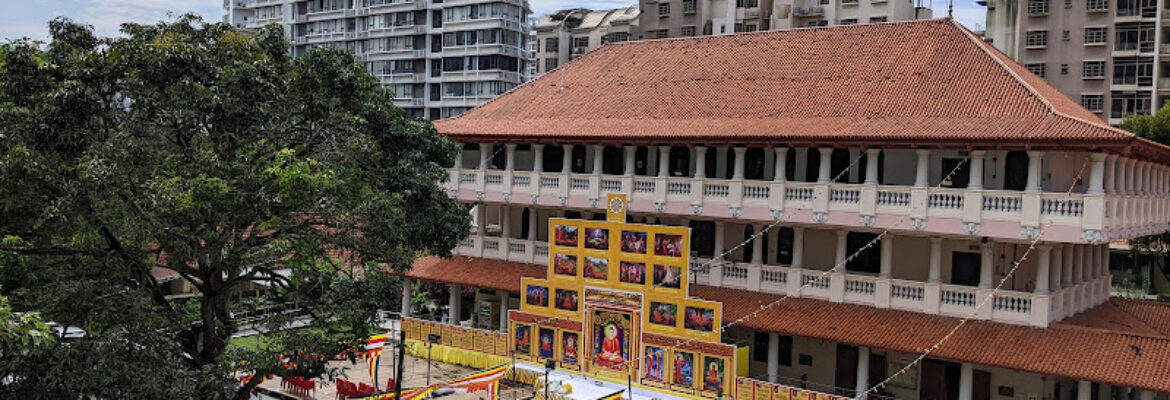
x,y
29,18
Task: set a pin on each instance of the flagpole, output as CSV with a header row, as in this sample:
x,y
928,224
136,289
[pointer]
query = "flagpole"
x,y
401,358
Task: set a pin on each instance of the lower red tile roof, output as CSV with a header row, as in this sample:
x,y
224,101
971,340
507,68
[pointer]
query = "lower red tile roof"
x,y
907,83
1123,342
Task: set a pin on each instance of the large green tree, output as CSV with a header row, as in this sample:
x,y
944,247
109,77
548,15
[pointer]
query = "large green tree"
x,y
216,154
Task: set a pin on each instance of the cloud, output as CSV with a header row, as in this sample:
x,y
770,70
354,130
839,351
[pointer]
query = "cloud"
x,y
106,16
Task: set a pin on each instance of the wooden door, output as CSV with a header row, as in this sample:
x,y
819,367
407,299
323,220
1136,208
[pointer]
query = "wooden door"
x,y
846,370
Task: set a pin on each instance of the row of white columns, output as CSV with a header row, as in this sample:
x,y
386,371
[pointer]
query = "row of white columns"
x,y
455,302
1109,174
1115,175
505,222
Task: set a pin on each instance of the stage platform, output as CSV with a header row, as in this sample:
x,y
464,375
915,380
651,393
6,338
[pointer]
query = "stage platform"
x,y
587,388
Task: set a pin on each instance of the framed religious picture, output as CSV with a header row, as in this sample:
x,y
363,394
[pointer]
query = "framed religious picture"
x,y
634,242
570,349
699,319
668,245
565,264
565,235
612,334
667,276
597,238
654,366
713,369
536,296
567,300
632,272
664,314
682,376
522,340
597,268
546,342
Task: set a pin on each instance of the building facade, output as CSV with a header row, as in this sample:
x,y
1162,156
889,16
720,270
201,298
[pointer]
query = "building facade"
x,y
440,58
917,183
568,34
681,18
1108,55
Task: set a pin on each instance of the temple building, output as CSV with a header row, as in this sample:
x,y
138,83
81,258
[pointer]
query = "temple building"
x,y
824,138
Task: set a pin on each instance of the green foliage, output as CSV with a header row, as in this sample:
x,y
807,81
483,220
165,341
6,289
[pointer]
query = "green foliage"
x,y
1155,127
214,152
20,332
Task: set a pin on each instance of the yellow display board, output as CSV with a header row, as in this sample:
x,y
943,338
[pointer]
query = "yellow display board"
x,y
616,255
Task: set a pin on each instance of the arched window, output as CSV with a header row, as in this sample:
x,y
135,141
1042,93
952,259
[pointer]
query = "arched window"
x,y
812,165
524,216
499,156
840,163
680,161
790,164
753,167
711,158
553,158
611,161
641,161
703,238
748,231
579,159
1015,174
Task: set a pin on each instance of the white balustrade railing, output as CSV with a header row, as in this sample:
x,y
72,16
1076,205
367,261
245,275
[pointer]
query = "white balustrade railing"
x,y
1001,203
541,250
644,186
734,271
549,182
716,190
678,188
906,291
958,297
466,178
1063,207
848,196
953,201
579,184
521,181
860,285
815,281
611,185
517,248
491,245
774,276
493,179
893,198
468,243
1012,303
761,192
798,193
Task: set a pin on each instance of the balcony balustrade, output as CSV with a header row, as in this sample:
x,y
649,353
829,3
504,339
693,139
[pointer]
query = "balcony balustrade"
x,y
1074,218
1021,308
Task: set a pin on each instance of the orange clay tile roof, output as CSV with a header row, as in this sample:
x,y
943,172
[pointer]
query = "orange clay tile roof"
x,y
1122,342
909,83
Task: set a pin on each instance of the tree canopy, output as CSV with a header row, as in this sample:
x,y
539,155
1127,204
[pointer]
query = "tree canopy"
x,y
1155,127
216,154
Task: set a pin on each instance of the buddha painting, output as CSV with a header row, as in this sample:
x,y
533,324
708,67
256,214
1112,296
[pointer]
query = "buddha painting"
x,y
609,340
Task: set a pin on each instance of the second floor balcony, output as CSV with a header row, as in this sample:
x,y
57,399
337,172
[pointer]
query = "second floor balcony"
x,y
1112,198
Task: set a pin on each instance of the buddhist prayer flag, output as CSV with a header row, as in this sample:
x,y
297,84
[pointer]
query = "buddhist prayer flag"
x,y
373,355
411,394
487,380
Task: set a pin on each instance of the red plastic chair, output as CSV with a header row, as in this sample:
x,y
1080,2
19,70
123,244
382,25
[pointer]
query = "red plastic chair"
x,y
389,384
366,389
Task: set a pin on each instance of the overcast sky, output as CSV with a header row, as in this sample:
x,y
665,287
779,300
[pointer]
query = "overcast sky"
x,y
28,18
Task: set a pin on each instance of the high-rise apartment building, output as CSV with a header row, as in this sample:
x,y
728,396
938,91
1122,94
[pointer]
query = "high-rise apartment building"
x,y
441,58
568,34
678,18
1105,53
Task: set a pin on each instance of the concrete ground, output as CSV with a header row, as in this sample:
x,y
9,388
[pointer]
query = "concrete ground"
x,y
414,374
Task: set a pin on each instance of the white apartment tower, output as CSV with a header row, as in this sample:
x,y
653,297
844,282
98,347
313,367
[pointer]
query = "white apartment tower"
x,y
1111,55
441,58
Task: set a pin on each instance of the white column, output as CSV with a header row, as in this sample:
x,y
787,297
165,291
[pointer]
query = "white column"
x,y
1034,159
505,223
862,370
826,167
935,260
1111,174
1130,166
841,251
966,381
719,232
1097,174
871,165
459,156
975,182
533,226
481,219
405,297
887,262
738,171
485,155
663,161
780,173
700,162
538,159
773,357
757,245
629,164
1042,269
454,303
1143,178
1119,176
797,247
921,177
1066,276
987,265
1079,264
509,157
503,310
1084,390
1057,265
567,160
598,159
